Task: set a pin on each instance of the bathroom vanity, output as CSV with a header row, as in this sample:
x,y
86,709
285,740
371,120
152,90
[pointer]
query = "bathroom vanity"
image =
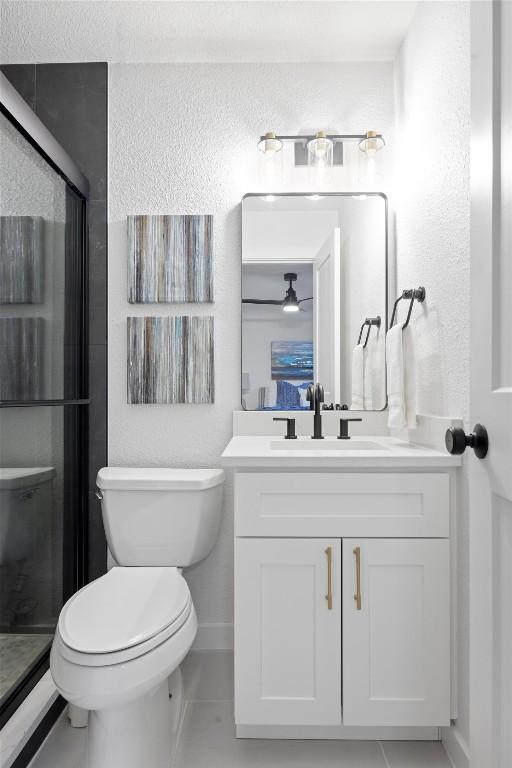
x,y
342,587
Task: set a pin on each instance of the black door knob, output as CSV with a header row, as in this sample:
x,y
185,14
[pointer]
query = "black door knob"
x,y
456,440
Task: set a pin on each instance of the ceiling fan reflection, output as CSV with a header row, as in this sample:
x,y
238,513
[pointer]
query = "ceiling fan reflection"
x,y
290,303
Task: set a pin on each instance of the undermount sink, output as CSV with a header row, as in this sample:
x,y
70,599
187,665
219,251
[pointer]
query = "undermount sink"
x,y
326,445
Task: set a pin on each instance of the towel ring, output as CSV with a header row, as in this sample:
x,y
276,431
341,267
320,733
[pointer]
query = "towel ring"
x,y
412,294
369,321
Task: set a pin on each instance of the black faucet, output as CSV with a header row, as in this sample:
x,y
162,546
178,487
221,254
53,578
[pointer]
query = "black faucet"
x,y
344,435
290,428
315,396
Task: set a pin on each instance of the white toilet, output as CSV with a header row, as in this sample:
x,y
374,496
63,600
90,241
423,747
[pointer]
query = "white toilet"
x,y
119,638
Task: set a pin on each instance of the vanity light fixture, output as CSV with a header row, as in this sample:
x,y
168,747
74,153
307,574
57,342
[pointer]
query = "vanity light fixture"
x,y
371,143
320,149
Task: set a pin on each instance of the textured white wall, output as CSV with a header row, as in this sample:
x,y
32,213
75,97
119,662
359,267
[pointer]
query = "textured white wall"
x,y
432,198
432,237
183,140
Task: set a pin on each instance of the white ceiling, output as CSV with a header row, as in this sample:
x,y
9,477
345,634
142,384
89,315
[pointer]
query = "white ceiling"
x,y
229,31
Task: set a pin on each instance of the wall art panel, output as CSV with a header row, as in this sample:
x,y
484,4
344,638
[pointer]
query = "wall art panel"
x,y
170,259
21,259
21,358
170,360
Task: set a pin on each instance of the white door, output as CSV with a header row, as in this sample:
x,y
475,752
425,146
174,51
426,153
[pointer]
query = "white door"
x,y
327,316
396,632
490,479
287,634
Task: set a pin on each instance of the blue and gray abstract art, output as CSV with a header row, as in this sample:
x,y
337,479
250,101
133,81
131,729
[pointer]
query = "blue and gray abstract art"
x,y
170,359
170,259
292,360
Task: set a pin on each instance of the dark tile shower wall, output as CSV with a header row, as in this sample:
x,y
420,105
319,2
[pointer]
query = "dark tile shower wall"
x,y
71,100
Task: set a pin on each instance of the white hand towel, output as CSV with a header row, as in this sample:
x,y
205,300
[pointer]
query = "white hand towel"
x,y
410,378
368,376
401,377
271,395
378,355
357,378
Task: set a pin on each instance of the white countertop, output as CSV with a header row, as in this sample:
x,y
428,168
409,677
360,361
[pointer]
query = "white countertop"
x,y
256,451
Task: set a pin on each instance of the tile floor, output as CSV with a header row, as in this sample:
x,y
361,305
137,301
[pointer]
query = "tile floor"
x,y
207,738
17,653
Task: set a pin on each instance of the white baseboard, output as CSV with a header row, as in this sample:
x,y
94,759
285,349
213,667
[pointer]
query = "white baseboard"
x,y
337,732
214,637
455,746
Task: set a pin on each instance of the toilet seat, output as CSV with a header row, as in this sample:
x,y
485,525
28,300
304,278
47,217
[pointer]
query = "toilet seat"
x,y
123,615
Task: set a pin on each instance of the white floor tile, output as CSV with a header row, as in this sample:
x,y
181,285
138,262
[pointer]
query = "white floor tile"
x,y
207,737
416,754
63,748
208,740
208,676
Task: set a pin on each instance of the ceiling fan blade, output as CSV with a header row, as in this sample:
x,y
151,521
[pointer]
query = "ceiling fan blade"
x,y
276,302
309,298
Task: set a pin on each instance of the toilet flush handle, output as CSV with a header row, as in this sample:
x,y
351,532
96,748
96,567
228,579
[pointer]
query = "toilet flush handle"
x,y
99,494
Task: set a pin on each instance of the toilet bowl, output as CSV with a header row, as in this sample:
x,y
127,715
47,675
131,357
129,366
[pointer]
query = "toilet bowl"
x,y
120,638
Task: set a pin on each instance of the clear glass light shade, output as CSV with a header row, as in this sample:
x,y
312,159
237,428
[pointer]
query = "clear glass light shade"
x,y
320,150
270,145
371,144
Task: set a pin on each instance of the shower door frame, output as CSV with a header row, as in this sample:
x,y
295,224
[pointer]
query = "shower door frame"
x,y
74,568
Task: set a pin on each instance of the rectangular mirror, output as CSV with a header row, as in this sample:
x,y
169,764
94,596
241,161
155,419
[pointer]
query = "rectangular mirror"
x,y
314,300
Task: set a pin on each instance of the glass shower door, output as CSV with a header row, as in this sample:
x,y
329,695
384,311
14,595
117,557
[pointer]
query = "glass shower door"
x,y
43,408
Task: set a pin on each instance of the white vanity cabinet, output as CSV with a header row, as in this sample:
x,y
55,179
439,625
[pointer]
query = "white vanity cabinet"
x,y
288,635
342,601
396,632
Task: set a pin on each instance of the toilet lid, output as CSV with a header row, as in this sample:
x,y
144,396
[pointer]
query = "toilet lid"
x,y
124,608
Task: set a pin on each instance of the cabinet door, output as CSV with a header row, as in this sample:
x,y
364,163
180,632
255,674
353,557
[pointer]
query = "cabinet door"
x,y
396,640
287,634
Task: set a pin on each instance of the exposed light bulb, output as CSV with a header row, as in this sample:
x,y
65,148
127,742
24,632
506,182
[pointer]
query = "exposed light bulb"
x,y
270,144
320,150
371,143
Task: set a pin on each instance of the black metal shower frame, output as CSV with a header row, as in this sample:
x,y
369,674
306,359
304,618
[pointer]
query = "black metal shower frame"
x,y
75,546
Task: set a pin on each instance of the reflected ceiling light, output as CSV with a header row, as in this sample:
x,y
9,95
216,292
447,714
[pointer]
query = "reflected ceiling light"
x,y
291,303
314,197
359,197
371,143
269,198
269,144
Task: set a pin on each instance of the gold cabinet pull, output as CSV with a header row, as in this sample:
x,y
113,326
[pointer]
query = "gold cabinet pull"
x,y
357,596
328,596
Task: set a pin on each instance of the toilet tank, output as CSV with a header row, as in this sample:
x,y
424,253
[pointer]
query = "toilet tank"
x,y
25,511
160,516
